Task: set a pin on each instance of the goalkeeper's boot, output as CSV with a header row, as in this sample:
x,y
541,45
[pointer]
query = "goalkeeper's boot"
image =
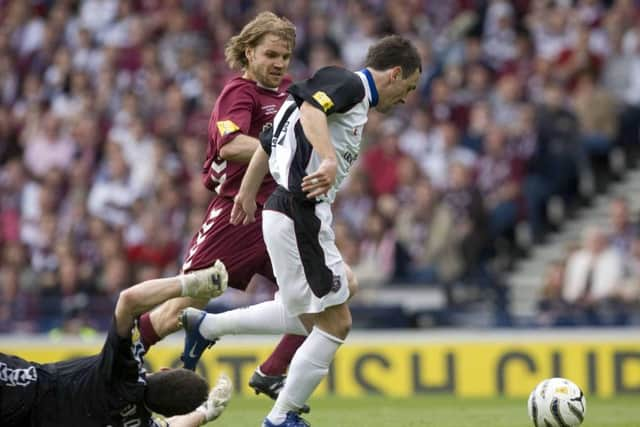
x,y
194,343
271,385
292,420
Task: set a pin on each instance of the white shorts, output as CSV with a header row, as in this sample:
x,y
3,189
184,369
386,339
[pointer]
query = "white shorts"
x,y
306,262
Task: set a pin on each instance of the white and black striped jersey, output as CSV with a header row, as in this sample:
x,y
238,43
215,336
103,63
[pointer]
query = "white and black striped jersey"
x,y
345,97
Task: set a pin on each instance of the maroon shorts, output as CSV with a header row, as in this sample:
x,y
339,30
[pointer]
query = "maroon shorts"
x,y
240,247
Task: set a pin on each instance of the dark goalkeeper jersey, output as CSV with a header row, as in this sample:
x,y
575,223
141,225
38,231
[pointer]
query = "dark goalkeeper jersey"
x,y
102,390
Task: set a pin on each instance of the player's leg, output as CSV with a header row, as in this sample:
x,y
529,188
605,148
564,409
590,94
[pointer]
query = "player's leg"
x,y
266,318
269,377
312,279
311,362
163,320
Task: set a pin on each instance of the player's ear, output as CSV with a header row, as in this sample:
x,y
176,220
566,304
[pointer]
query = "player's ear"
x,y
249,53
396,73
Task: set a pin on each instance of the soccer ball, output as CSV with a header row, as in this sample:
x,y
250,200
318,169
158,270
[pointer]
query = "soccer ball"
x,y
557,402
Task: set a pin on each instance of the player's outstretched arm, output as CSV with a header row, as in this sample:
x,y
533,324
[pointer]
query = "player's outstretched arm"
x,y
244,204
211,409
132,302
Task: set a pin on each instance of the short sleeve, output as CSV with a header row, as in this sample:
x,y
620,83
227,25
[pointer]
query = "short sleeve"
x,y
235,109
330,89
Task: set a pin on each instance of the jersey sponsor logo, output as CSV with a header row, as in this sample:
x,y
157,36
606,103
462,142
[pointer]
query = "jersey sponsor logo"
x,y
225,127
270,109
323,99
17,377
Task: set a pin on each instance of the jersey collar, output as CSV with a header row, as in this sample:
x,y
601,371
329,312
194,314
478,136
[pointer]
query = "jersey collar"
x,y
372,86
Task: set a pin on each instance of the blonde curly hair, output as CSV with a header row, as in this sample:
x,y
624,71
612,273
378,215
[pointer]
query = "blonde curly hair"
x,y
252,33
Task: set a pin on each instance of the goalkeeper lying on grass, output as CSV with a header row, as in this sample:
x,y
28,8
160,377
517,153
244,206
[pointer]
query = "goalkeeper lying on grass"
x,y
112,388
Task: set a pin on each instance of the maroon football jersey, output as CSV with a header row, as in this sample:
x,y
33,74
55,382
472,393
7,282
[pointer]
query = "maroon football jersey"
x,y
242,107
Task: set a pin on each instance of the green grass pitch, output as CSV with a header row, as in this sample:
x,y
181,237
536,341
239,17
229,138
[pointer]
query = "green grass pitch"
x,y
427,412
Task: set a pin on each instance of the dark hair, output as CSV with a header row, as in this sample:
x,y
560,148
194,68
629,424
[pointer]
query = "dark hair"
x,y
394,51
175,391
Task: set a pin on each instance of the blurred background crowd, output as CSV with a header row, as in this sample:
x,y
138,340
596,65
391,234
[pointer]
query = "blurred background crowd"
x,y
524,110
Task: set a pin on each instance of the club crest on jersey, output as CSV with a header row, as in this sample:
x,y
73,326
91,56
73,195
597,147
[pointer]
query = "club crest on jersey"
x,y
323,99
225,127
336,284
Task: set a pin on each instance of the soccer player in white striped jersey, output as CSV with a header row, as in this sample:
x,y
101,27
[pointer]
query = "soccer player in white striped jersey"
x,y
314,139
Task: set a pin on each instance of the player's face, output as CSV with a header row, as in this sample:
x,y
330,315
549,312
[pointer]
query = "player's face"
x,y
397,90
268,61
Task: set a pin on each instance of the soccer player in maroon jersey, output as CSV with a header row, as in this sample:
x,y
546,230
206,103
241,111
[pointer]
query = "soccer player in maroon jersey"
x,y
262,51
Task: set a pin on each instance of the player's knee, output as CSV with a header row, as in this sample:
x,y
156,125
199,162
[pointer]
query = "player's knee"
x,y
352,282
335,320
354,286
342,323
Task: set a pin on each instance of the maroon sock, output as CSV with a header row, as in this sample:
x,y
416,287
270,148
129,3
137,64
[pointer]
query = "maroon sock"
x,y
148,335
279,360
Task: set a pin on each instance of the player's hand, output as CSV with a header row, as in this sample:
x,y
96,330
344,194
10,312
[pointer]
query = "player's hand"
x,y
244,210
321,181
218,399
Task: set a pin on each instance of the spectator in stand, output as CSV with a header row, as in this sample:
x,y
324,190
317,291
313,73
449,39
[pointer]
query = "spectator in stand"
x,y
469,218
155,246
499,178
506,101
630,287
441,104
414,140
596,112
47,147
623,230
380,162
112,195
426,229
593,277
557,161
499,33
376,262
619,78
356,201
552,309
578,58
446,151
479,122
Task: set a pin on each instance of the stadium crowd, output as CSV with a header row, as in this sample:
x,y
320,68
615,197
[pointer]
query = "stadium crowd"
x,y
522,107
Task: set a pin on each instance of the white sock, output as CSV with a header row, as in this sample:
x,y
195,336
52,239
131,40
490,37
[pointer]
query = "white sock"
x,y
268,317
309,366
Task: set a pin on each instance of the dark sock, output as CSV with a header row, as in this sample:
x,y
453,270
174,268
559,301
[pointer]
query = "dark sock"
x,y
280,358
148,335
